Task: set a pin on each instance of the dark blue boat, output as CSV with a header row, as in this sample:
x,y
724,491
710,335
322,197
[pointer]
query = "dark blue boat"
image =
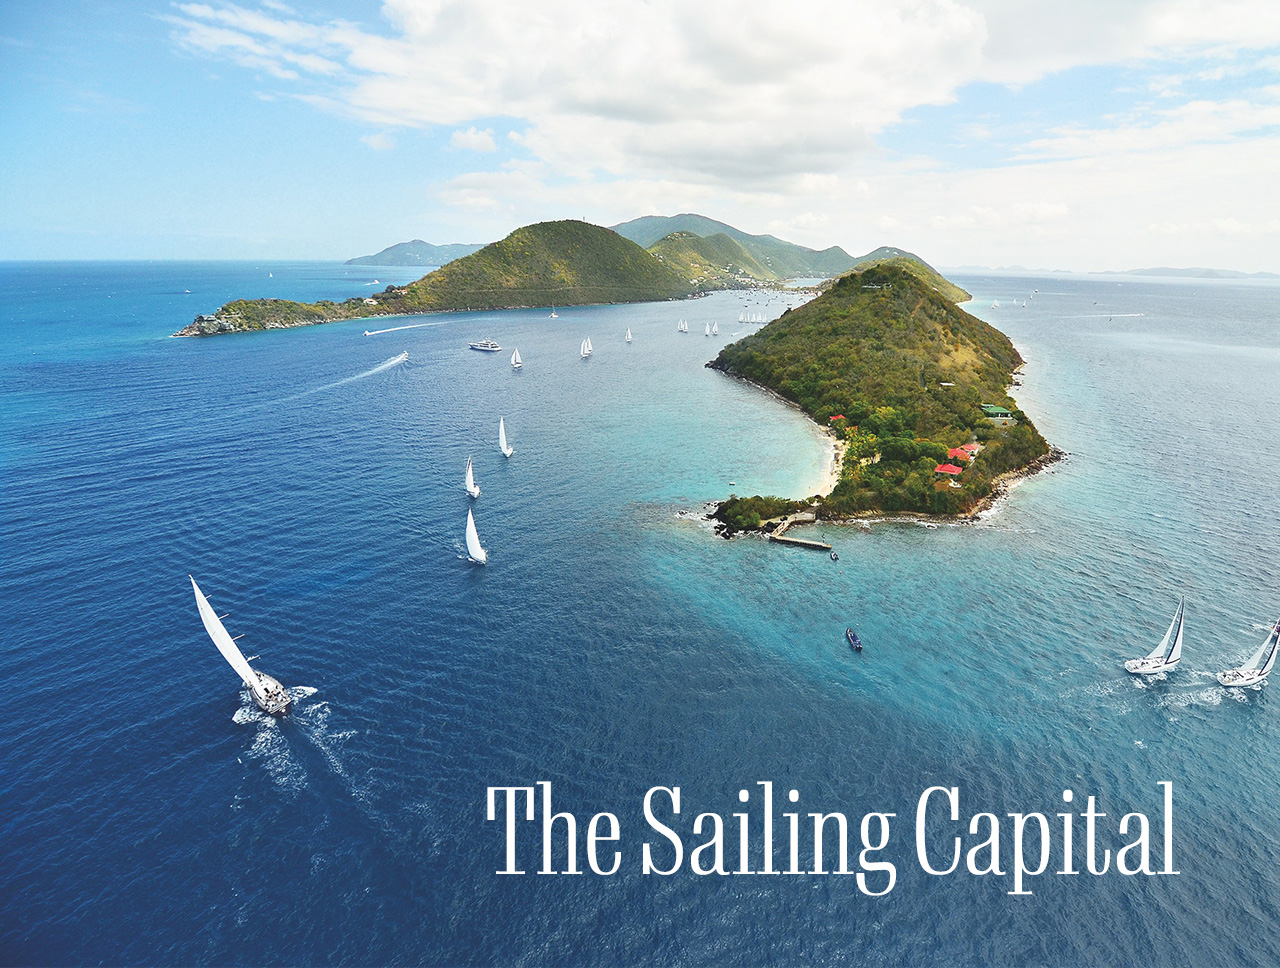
x,y
852,636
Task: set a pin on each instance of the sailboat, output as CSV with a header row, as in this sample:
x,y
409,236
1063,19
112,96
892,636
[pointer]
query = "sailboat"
x,y
1167,654
507,449
682,327
554,314
586,347
266,691
474,551
715,329
1259,664
706,329
472,487
516,362
628,336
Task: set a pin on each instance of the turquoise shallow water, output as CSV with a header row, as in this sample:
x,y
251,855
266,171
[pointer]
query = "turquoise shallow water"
x,y
613,644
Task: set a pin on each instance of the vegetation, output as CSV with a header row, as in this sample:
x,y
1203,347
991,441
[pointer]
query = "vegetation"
x,y
551,263
885,255
899,373
744,513
715,262
785,260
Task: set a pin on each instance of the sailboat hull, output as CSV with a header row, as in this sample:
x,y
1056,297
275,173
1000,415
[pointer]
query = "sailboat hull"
x,y
270,695
1149,667
1236,678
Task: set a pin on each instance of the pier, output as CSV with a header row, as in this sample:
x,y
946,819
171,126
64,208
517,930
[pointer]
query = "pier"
x,y
800,517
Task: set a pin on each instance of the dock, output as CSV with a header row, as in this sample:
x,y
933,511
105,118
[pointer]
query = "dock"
x,y
802,517
801,542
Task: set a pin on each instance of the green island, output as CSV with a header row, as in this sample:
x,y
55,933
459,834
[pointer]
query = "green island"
x,y
567,263
912,387
564,263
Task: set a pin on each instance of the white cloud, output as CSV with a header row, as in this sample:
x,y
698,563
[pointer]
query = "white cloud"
x,y
379,142
771,119
473,139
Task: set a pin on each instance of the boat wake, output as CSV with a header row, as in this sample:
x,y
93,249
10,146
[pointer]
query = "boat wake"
x,y
396,329
373,371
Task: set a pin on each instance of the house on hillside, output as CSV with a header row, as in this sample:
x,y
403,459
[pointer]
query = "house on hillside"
x,y
1000,416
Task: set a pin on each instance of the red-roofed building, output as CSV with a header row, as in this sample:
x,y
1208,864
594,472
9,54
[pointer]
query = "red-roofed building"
x,y
972,448
948,469
960,453
838,416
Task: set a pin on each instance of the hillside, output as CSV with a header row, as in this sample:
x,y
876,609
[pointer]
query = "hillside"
x,y
912,263
552,263
900,373
416,253
786,260
714,262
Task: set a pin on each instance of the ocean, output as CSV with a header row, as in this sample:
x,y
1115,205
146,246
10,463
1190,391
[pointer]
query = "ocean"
x,y
311,481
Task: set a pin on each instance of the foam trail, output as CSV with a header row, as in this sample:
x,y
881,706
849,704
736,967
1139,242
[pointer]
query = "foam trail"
x,y
388,364
396,329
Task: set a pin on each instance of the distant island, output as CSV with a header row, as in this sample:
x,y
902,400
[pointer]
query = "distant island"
x,y
913,388
1192,273
569,263
416,253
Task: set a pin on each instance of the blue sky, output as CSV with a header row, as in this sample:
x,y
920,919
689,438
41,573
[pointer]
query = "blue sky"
x,y
1088,135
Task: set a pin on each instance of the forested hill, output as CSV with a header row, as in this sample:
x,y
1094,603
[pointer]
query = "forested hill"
x,y
551,263
900,373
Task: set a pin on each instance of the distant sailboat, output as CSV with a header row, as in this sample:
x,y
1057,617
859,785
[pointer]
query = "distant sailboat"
x,y
516,362
472,487
554,314
1167,654
628,336
506,449
1259,665
715,329
706,329
474,551
586,348
266,691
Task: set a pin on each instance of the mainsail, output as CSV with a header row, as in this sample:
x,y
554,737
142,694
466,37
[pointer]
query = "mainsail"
x,y
507,450
476,553
1170,648
222,639
1265,657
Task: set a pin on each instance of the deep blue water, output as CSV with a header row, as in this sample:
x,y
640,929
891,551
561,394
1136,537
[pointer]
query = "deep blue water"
x,y
314,488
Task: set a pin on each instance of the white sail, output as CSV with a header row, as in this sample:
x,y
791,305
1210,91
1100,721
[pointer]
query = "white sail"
x,y
472,488
474,551
1170,648
715,329
583,352
516,362
628,336
590,348
222,639
507,450
1265,657
706,329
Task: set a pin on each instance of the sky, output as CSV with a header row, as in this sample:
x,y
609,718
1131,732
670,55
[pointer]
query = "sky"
x,y
1087,135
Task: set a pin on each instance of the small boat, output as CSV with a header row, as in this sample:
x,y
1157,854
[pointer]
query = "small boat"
x,y
706,329
472,487
628,336
1259,665
474,551
267,692
1167,654
586,348
516,362
485,345
715,329
853,639
554,314
507,449
834,556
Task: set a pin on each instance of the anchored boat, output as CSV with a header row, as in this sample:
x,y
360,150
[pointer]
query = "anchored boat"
x,y
1167,654
1259,665
267,692
853,639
